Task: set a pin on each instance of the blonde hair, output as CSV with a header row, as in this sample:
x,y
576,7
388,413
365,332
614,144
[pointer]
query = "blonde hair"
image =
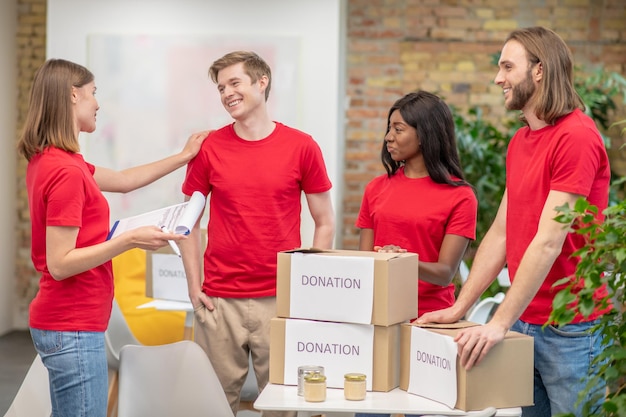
x,y
254,66
50,117
556,95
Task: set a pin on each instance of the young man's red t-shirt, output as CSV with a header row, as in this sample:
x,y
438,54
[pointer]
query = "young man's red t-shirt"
x,y
255,192
569,157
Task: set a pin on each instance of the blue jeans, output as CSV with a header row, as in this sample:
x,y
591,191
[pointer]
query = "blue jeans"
x,y
563,357
77,369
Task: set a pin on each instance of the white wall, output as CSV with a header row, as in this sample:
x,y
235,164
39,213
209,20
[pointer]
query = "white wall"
x,y
8,121
317,23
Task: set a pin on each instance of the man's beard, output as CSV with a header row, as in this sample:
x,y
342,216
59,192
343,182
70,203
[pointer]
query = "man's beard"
x,y
522,93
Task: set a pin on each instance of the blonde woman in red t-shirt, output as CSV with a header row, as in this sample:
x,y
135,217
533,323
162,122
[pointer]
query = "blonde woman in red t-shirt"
x,y
70,223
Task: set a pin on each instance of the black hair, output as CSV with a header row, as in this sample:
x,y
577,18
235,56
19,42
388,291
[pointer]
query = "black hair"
x,y
432,119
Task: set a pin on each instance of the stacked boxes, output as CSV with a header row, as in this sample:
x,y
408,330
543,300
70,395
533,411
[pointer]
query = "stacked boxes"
x,y
342,310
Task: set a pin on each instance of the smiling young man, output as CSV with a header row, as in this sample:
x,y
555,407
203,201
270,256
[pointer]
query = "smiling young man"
x,y
558,157
254,171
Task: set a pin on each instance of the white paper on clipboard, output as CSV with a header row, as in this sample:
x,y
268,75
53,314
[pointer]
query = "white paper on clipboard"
x,y
179,218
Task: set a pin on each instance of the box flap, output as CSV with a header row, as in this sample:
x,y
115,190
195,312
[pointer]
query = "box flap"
x,y
461,324
305,250
376,255
384,256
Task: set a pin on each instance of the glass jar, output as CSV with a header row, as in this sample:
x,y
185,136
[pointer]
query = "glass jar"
x,y
303,371
315,387
354,386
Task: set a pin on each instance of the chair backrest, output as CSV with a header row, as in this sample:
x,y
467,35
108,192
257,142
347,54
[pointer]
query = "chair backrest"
x,y
176,379
503,275
33,397
503,278
481,312
117,335
463,271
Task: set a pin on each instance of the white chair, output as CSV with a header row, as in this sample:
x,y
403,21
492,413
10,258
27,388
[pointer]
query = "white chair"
x,y
483,309
116,336
481,313
33,397
503,278
250,389
463,271
176,379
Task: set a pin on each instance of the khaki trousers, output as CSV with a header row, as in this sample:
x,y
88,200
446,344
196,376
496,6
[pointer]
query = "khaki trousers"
x,y
236,328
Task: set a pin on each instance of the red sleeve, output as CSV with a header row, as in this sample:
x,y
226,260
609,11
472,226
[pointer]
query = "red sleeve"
x,y
364,220
65,200
576,162
197,174
314,176
463,217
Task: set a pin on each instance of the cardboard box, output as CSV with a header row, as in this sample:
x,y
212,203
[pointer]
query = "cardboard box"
x,y
165,275
347,286
339,347
503,379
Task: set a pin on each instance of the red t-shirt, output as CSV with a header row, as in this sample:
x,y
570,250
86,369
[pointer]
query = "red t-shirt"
x,y
416,214
63,192
254,210
569,157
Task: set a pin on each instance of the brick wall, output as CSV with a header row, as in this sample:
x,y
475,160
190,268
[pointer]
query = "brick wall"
x,y
393,46
396,46
31,53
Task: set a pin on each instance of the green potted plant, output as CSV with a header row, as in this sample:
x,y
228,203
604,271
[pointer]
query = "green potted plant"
x,y
602,263
482,150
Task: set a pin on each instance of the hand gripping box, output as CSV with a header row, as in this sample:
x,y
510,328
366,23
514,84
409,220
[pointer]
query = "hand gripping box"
x,y
430,367
347,286
339,347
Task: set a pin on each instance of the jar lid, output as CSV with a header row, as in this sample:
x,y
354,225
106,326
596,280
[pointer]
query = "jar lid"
x,y
314,377
310,368
354,377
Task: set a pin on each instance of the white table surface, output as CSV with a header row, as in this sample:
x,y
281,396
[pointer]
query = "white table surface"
x,y
285,397
168,305
171,305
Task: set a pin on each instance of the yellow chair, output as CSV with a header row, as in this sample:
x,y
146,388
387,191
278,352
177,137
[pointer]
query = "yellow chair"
x,y
149,326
